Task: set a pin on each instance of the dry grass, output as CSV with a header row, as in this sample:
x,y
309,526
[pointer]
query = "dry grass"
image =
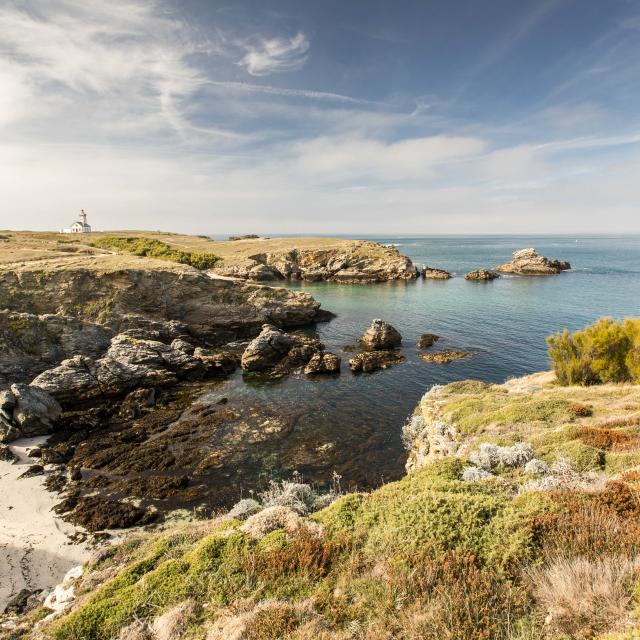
x,y
27,246
585,596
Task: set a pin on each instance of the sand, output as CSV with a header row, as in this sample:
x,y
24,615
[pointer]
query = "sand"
x,y
35,548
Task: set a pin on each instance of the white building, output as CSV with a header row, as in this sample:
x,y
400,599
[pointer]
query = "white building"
x,y
80,226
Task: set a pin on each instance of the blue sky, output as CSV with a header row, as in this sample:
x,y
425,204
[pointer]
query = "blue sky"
x,y
361,116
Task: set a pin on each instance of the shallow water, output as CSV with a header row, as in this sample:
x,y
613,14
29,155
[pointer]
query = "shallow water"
x,y
351,424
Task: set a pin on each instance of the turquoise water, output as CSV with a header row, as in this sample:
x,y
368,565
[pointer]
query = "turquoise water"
x,y
351,424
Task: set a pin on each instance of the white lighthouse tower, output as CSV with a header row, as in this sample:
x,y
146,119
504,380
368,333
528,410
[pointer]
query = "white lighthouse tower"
x,y
80,226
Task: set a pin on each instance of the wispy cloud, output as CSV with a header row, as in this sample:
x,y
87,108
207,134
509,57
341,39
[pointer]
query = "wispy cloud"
x,y
290,93
65,54
276,55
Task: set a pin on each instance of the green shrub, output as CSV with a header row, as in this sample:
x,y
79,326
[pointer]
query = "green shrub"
x,y
150,248
606,351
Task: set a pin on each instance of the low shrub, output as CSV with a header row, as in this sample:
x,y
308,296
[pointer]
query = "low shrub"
x,y
150,248
606,351
584,597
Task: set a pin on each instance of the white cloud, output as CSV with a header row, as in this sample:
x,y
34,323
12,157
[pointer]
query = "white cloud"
x,y
276,55
337,159
128,58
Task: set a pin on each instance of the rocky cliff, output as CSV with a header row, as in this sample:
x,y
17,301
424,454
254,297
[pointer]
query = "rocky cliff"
x,y
211,310
343,261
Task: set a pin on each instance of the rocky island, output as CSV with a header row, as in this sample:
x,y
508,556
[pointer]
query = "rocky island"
x,y
527,262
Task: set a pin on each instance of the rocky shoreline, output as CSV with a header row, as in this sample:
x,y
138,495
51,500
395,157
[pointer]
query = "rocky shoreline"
x,y
356,262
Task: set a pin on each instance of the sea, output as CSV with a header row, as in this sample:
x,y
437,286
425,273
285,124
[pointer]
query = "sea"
x,y
349,427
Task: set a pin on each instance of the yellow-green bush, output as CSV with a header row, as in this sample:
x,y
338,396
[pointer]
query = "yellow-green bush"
x,y
606,351
155,249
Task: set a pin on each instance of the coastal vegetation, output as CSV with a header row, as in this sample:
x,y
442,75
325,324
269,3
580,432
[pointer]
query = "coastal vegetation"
x,y
148,247
606,351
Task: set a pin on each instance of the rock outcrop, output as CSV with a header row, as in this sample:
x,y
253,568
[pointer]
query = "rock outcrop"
x,y
323,362
527,262
212,311
279,353
481,275
26,411
355,262
381,335
129,363
433,273
29,344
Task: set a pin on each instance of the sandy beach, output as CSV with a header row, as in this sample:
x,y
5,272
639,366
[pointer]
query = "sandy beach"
x,y
34,542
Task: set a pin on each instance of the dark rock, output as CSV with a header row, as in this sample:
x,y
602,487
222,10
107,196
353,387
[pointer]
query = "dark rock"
x,y
481,275
57,454
36,452
56,482
427,340
33,470
23,601
6,455
372,360
95,513
137,402
381,335
323,362
75,474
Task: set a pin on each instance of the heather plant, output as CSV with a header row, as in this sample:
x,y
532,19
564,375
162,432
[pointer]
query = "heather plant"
x,y
150,248
606,351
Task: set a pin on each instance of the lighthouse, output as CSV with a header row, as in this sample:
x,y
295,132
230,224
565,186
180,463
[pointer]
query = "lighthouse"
x,y
80,226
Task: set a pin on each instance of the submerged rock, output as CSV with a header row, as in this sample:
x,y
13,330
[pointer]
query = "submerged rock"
x,y
527,262
444,357
427,340
432,273
481,275
381,335
373,360
323,362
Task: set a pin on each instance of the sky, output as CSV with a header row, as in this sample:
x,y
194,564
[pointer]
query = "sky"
x,y
356,117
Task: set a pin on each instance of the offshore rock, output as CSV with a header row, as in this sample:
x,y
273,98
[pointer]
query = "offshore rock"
x,y
323,362
278,352
381,335
433,273
26,412
265,351
368,361
481,275
527,262
427,340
